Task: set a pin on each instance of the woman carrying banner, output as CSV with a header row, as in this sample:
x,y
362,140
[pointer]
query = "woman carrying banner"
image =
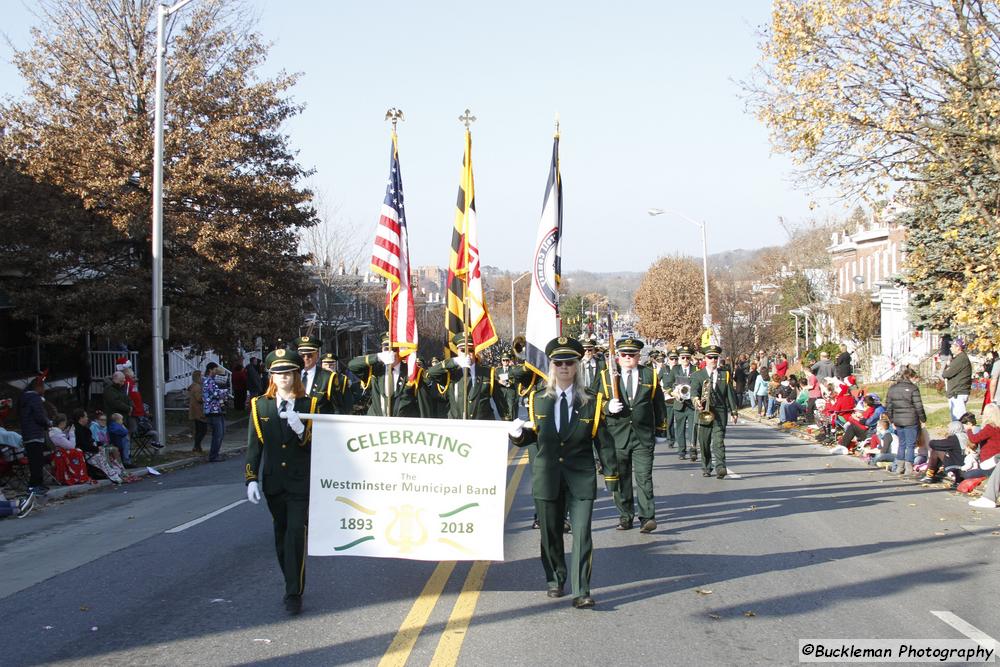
x,y
565,425
277,429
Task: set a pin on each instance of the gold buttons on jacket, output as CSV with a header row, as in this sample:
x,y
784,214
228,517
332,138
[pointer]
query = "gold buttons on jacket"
x,y
284,446
285,465
560,459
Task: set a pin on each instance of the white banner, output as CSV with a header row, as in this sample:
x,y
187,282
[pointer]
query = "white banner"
x,y
422,489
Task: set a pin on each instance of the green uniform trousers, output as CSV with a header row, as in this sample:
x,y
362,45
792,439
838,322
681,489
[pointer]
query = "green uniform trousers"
x,y
551,519
640,462
684,421
712,441
290,512
669,413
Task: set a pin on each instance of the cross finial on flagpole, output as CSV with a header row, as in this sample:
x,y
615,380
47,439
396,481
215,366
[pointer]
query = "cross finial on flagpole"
x,y
395,115
557,123
467,118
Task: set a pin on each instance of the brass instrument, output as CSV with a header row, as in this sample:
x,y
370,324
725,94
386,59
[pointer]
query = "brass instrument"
x,y
682,392
705,416
517,347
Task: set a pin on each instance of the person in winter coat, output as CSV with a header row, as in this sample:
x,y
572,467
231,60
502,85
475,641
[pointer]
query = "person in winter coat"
x,y
906,412
34,425
958,379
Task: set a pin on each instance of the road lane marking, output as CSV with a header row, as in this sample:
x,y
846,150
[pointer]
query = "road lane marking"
x,y
450,644
195,522
406,638
970,631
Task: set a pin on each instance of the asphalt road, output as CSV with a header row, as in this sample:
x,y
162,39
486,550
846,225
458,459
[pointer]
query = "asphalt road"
x,y
805,545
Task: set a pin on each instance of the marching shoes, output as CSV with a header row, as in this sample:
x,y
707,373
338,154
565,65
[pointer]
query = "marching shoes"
x,y
556,591
293,604
648,526
584,602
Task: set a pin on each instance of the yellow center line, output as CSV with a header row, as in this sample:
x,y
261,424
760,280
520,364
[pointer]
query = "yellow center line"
x,y
450,644
406,638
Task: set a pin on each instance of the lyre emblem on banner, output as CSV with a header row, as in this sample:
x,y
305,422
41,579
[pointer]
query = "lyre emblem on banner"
x,y
405,531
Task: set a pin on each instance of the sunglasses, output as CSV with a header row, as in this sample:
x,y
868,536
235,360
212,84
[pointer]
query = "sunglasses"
x,y
307,354
685,356
564,362
628,354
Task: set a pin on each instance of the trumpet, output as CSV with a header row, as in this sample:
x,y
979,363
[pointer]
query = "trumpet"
x,y
682,392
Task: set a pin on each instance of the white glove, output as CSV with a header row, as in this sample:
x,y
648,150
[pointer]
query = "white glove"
x,y
463,361
615,406
659,441
253,492
388,357
294,421
516,428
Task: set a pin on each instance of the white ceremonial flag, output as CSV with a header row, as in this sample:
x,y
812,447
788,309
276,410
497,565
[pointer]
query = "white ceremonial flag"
x,y
422,489
543,303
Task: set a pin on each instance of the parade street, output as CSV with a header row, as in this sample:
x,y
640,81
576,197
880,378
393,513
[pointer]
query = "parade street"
x,y
180,570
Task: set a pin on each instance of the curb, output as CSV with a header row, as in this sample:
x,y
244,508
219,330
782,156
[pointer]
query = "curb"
x,y
66,492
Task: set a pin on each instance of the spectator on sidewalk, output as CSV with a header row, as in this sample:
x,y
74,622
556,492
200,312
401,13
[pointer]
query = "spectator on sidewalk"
x,y
843,366
116,396
814,392
990,490
255,378
760,388
905,408
214,400
239,383
988,437
34,424
945,454
196,410
752,384
132,392
69,465
958,379
119,437
824,368
888,444
781,367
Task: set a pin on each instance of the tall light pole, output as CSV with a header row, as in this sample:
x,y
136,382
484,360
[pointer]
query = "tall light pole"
x,y
159,383
707,318
513,332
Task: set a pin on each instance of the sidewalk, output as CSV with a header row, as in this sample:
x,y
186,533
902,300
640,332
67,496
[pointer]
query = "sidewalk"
x,y
176,453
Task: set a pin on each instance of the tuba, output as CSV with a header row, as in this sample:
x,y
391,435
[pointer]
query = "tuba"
x,y
705,416
517,347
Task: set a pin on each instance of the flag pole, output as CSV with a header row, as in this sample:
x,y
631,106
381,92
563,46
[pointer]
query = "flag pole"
x,y
394,115
467,118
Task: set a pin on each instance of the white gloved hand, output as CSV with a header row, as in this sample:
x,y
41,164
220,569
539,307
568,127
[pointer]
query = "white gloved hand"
x,y
615,406
463,361
388,357
253,492
294,421
516,428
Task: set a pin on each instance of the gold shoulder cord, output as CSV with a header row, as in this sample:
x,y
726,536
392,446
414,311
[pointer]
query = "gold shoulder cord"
x,y
597,416
531,408
256,421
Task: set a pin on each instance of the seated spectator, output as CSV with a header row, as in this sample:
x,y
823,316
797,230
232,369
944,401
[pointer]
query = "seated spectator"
x,y
789,407
772,396
884,453
99,429
945,453
877,410
970,466
118,435
988,437
19,508
103,460
990,490
68,463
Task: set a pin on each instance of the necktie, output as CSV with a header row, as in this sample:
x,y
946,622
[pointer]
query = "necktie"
x,y
629,386
563,414
305,380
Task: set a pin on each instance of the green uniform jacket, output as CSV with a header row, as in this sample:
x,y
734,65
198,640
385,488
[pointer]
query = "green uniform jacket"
x,y
330,391
644,419
408,398
595,378
723,397
567,458
286,455
481,389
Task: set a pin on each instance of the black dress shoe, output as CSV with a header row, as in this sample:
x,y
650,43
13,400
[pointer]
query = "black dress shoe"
x,y
556,592
583,602
624,525
293,604
706,473
648,526
694,458
534,524
682,456
720,472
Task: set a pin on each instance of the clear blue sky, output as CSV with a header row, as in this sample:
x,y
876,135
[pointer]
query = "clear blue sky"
x,y
646,92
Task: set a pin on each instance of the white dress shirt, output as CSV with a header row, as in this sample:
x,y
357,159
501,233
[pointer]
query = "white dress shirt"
x,y
310,377
569,401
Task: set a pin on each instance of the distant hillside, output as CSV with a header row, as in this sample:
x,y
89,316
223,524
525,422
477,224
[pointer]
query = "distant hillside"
x,y
619,286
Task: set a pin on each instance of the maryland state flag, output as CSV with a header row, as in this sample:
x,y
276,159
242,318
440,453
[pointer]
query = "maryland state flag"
x,y
465,280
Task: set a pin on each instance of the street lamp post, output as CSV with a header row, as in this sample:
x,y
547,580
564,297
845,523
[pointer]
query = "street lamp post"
x,y
707,320
513,331
159,383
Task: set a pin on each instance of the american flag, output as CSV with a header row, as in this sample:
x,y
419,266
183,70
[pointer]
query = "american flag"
x,y
391,260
